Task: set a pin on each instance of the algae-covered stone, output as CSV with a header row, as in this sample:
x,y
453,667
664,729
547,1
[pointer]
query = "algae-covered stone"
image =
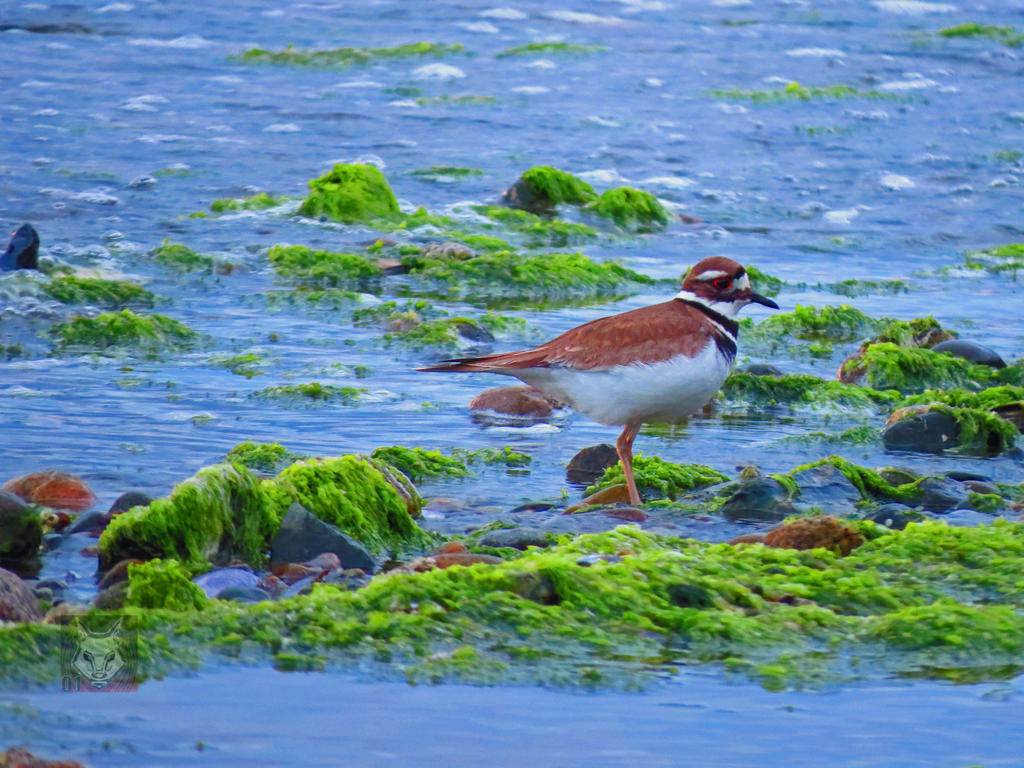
x,y
181,257
831,323
21,529
312,391
350,194
537,231
124,330
632,209
94,290
545,49
263,457
419,464
542,188
324,268
219,514
257,202
333,58
163,584
888,366
970,430
656,478
800,390
869,483
353,493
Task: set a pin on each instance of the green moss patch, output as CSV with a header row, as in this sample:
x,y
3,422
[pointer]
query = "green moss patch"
x,y
312,391
163,584
888,366
338,58
182,258
656,478
247,365
1005,35
1002,258
547,49
262,457
632,209
537,231
795,91
350,194
556,187
124,330
870,483
445,172
93,290
835,324
219,514
506,456
419,464
801,389
298,262
257,202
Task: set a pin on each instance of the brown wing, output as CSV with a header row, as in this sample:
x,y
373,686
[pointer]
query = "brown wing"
x,y
651,334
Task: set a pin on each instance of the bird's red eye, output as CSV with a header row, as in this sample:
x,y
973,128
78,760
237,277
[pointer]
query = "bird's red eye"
x,y
722,283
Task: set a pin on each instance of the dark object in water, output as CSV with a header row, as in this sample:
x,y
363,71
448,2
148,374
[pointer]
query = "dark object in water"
x,y
971,351
23,251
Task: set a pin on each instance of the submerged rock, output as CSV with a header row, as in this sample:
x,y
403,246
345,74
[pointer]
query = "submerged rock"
x,y
825,487
515,538
53,488
941,494
23,250
303,536
931,432
891,515
216,581
631,209
757,500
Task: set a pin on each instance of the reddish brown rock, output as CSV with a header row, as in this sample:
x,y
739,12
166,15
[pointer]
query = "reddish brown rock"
x,y
464,558
118,572
613,494
526,402
22,758
811,532
632,514
17,603
748,538
452,548
53,488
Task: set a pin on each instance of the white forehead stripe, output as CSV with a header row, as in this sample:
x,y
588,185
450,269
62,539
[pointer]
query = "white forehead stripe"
x,y
743,283
711,274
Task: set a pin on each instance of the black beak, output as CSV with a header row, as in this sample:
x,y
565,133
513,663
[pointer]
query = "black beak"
x,y
759,299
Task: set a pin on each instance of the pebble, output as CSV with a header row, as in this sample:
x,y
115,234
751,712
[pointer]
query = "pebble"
x,y
21,530
612,494
127,500
92,521
761,369
526,403
590,463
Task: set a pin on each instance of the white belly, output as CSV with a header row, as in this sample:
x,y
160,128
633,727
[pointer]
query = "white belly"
x,y
666,391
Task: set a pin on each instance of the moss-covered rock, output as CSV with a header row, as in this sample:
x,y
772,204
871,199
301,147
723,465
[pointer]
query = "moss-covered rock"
x,y
219,514
1005,35
547,49
419,464
350,194
312,391
536,231
888,366
537,278
356,494
93,290
257,202
796,91
841,323
868,482
543,187
800,390
163,584
339,58
262,457
324,268
656,478
182,258
632,209
976,431
124,330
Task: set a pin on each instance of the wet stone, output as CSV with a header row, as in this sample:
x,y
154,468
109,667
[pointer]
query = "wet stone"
x,y
127,500
761,369
613,494
892,515
473,332
525,403
828,489
23,250
214,582
21,530
931,432
940,494
898,475
980,486
303,536
516,538
971,351
757,500
531,506
53,488
590,463
962,476
88,522
17,602
593,559
112,598
244,595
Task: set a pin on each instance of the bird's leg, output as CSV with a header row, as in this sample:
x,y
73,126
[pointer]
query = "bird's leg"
x,y
624,447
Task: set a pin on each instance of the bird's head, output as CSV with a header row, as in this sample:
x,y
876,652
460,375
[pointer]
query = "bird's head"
x,y
721,284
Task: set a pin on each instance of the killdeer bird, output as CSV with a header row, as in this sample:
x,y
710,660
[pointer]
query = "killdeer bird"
x,y
657,363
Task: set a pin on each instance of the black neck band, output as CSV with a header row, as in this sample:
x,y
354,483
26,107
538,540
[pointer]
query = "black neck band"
x,y
730,326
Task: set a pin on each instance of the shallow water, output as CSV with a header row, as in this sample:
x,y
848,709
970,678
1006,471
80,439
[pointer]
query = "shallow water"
x,y
879,189
268,718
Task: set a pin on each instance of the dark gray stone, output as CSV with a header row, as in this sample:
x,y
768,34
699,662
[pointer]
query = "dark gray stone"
x,y
931,432
127,500
516,538
473,332
88,522
895,516
23,250
828,489
590,463
21,530
940,494
303,536
971,351
761,369
757,500
216,581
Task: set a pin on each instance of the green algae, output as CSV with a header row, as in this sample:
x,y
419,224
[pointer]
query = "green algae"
x,y
123,331
93,290
30,654
539,49
241,365
350,194
262,457
1002,258
506,456
450,333
912,370
355,494
763,283
336,58
986,502
182,258
463,100
257,202
795,91
909,333
1005,35
632,209
538,231
553,187
219,514
419,464
312,391
656,478
853,288
538,277
801,389
445,172
328,268
985,400
980,430
163,584
868,482
1008,155
831,323
922,601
